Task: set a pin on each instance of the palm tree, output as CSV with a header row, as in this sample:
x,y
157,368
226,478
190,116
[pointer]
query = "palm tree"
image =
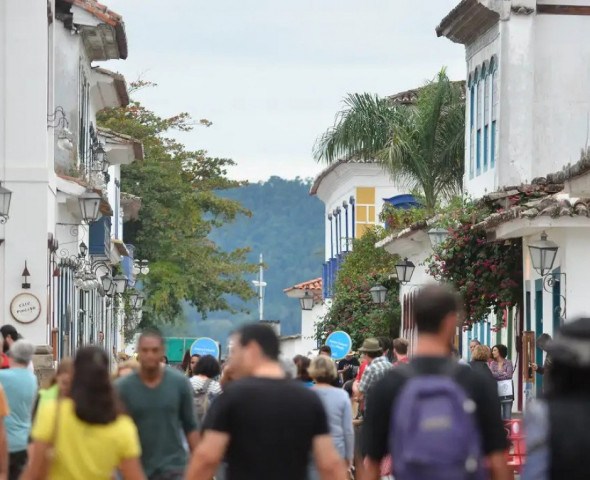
x,y
421,145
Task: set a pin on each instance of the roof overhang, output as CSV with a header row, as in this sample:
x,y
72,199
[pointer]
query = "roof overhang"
x,y
407,243
74,187
121,149
524,227
336,174
298,291
109,89
102,30
467,21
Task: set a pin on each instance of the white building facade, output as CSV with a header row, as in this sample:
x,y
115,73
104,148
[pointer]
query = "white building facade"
x,y
526,123
52,155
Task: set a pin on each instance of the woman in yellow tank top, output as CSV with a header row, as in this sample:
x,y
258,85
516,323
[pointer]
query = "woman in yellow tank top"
x,y
85,436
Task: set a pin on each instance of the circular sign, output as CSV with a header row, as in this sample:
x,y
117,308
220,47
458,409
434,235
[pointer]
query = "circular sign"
x,y
25,308
205,346
340,343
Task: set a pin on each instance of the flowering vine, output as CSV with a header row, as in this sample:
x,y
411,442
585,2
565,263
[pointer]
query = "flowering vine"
x,y
488,275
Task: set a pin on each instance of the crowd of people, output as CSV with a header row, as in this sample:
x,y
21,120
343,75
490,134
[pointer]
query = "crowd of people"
x,y
260,416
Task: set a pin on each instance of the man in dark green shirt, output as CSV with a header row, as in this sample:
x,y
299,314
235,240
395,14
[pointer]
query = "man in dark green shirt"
x,y
160,401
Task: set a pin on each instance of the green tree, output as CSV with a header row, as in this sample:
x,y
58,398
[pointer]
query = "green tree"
x,y
179,210
421,145
352,309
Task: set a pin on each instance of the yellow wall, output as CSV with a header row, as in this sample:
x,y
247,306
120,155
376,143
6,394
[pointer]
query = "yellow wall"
x,y
364,210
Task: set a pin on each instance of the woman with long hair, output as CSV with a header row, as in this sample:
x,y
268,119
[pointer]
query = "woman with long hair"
x,y
85,435
502,370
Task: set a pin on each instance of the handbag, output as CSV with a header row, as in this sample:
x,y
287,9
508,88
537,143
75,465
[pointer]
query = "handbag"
x,y
505,390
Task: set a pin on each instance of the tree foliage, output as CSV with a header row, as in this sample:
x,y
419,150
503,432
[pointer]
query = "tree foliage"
x,y
352,309
421,145
488,275
180,208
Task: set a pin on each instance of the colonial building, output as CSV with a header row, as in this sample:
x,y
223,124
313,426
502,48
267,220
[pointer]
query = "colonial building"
x,y
313,309
526,138
64,226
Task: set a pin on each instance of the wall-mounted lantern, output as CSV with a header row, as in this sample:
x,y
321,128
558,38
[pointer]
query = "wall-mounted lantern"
x,y
5,196
307,301
543,253
26,285
90,206
378,294
404,271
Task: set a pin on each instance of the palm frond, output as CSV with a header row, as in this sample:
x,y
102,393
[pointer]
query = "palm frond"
x,y
360,130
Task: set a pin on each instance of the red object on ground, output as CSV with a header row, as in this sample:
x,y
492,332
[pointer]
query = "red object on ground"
x,y
516,453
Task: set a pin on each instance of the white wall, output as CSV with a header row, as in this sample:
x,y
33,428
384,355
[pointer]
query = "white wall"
x,y
24,160
544,99
341,184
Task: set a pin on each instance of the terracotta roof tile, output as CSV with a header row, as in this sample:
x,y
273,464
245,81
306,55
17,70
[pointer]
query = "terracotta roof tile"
x,y
315,284
553,206
99,10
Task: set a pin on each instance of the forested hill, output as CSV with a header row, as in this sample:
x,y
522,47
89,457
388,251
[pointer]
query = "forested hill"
x,y
287,227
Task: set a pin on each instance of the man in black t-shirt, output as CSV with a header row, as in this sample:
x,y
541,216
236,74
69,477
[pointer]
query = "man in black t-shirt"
x,y
346,367
436,315
264,425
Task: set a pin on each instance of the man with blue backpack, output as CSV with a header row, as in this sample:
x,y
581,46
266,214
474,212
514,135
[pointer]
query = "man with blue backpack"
x,y
439,420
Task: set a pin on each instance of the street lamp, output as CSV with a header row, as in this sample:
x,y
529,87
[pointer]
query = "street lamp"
x,y
404,271
120,282
107,282
139,301
141,267
90,206
83,250
307,301
378,294
437,236
5,196
543,253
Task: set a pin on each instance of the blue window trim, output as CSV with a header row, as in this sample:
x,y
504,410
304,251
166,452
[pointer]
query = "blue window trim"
x,y
493,145
478,152
486,131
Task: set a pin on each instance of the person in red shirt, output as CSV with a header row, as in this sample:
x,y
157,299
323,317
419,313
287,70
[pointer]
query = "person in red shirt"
x,y
400,348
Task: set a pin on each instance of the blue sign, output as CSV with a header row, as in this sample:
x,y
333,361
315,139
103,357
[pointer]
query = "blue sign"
x,y
205,346
340,343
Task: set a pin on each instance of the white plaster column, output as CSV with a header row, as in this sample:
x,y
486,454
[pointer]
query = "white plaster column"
x,y
25,165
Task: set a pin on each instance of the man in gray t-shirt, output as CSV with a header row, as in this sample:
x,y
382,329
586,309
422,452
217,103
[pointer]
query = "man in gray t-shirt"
x,y
160,401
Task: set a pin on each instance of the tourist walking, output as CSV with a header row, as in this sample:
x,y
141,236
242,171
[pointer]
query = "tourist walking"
x,y
263,424
4,411
20,386
557,427
479,361
348,367
205,386
542,342
160,401
442,418
502,370
378,364
400,349
338,410
85,436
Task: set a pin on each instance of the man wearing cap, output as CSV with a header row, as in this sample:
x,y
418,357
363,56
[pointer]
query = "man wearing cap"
x,y
346,367
20,385
378,364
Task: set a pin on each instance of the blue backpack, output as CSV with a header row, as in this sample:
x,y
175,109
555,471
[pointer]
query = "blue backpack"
x,y
434,433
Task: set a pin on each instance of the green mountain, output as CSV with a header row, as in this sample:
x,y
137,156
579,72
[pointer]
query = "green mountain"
x,y
287,228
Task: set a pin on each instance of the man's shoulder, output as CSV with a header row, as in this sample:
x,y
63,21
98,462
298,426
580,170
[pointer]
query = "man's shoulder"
x,y
175,375
128,382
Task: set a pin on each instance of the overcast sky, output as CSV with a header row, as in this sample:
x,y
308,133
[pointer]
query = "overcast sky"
x,y
271,74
